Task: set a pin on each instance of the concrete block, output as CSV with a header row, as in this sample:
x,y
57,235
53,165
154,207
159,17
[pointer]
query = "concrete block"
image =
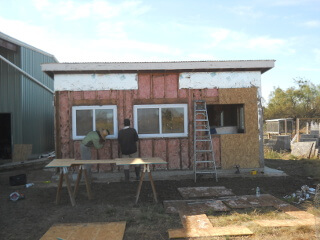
x,y
302,149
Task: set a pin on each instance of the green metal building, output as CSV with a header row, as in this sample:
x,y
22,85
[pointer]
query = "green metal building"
x,y
26,98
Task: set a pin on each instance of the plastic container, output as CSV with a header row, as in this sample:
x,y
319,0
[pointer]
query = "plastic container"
x,y
29,185
258,192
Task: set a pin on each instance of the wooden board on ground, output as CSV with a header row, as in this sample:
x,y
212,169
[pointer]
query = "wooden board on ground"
x,y
195,206
249,201
138,161
200,226
21,152
202,192
86,231
286,223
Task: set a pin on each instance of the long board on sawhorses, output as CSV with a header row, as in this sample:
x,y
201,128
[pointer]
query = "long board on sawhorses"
x,y
146,162
63,165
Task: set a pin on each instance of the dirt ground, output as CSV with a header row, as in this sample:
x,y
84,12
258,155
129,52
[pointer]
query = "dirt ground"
x,y
31,217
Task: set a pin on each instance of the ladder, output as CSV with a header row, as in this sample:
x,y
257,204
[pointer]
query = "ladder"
x,y
202,142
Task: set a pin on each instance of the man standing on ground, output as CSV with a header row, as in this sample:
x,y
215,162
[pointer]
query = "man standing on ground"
x,y
94,139
127,139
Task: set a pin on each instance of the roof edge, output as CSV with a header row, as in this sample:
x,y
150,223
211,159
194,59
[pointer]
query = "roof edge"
x,y
22,44
263,65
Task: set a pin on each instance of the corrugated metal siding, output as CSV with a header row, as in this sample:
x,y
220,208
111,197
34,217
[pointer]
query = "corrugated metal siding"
x,y
37,103
10,92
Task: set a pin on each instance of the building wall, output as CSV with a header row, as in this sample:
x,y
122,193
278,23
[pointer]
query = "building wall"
x,y
162,88
10,92
37,103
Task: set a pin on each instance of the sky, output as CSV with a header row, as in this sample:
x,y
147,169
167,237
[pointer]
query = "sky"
x,y
287,31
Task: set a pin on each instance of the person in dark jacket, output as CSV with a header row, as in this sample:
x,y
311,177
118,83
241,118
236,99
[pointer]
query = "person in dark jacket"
x,y
127,139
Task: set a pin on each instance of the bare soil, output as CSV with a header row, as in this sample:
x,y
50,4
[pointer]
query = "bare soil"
x,y
31,217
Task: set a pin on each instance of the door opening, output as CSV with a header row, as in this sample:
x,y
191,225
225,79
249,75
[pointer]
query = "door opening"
x,y
5,136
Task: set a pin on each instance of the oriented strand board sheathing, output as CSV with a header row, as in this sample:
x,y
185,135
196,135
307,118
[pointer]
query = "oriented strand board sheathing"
x,y
86,231
286,223
202,192
216,149
249,201
300,214
195,206
241,149
200,226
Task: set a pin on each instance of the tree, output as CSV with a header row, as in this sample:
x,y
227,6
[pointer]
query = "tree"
x,y
302,101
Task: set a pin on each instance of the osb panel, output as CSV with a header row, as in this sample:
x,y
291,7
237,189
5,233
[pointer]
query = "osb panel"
x,y
171,85
145,148
64,127
92,231
173,153
185,161
238,95
144,86
204,192
286,223
241,149
160,150
216,149
158,86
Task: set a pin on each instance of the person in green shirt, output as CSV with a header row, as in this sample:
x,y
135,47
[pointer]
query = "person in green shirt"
x,y
94,139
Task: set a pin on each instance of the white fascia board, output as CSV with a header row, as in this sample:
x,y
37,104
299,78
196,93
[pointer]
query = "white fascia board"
x,y
95,82
202,80
264,65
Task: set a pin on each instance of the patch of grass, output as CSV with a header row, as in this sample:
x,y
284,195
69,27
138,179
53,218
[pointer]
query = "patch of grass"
x,y
246,217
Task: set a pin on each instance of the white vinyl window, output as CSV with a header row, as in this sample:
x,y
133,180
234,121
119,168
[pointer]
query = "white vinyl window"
x,y
166,120
92,118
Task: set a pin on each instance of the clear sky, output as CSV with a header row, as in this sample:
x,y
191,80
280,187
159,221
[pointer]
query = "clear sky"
x,y
287,31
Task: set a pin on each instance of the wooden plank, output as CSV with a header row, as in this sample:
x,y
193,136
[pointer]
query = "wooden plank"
x,y
86,231
198,206
300,214
134,161
21,152
60,163
215,232
286,223
200,226
194,192
69,162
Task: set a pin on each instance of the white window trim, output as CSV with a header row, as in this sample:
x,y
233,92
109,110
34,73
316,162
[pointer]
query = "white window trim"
x,y
159,106
74,120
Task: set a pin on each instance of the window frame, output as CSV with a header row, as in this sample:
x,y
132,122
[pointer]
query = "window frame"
x,y
160,106
95,107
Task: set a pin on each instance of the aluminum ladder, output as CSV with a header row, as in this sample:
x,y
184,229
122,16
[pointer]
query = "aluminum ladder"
x,y
202,143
